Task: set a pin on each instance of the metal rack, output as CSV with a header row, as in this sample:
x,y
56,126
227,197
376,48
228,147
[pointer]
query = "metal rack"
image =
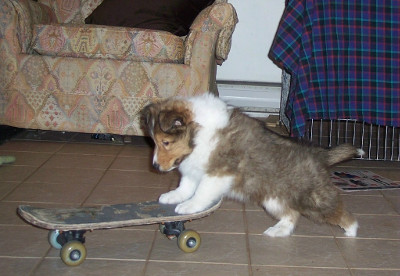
x,y
378,142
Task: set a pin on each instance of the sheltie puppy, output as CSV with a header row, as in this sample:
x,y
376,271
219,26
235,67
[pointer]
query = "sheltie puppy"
x,y
221,152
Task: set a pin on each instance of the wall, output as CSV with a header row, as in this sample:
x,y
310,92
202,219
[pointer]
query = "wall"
x,y
249,79
248,59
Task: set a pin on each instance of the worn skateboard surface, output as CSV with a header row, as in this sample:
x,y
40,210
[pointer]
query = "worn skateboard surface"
x,y
107,216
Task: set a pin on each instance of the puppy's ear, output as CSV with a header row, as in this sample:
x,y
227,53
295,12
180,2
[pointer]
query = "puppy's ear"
x,y
171,122
148,115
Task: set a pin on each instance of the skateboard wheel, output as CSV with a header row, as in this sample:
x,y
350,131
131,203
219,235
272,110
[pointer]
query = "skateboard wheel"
x,y
73,253
162,228
189,241
53,235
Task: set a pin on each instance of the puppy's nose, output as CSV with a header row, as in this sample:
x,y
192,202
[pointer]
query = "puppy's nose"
x,y
156,166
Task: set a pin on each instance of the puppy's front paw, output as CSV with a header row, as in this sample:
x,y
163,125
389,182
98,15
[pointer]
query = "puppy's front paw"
x,y
172,197
189,207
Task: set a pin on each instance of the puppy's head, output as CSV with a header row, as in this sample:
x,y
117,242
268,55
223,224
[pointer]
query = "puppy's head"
x,y
171,126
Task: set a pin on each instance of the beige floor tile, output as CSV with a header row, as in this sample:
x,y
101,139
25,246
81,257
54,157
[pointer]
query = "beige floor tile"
x,y
394,201
15,173
259,221
136,179
54,266
372,272
370,253
34,159
116,244
17,266
113,195
132,164
67,161
195,269
222,221
50,193
66,176
372,205
6,187
299,271
295,251
91,149
391,192
135,151
214,248
120,244
31,146
23,241
8,214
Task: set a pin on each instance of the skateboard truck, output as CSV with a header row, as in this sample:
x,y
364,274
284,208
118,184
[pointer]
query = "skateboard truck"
x,y
188,240
66,236
172,229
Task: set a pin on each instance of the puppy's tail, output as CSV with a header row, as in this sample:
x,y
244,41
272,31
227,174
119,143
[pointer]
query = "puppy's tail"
x,y
341,153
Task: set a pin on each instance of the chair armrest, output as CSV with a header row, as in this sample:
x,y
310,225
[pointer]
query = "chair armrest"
x,y
21,15
218,22
68,11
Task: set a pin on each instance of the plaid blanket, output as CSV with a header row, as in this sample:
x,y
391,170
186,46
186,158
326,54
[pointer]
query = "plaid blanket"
x,y
344,58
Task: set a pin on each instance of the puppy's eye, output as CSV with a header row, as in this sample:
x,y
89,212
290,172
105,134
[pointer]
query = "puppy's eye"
x,y
165,143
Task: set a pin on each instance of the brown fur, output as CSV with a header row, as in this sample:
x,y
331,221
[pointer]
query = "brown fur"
x,y
266,165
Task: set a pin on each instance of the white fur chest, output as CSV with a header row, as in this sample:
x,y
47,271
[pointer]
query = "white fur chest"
x,y
211,114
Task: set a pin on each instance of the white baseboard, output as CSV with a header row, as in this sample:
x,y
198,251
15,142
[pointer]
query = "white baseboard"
x,y
258,100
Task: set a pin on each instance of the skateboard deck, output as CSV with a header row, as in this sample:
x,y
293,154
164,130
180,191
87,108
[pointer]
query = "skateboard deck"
x,y
68,225
107,216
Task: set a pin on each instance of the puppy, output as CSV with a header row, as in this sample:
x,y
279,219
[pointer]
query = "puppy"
x,y
221,152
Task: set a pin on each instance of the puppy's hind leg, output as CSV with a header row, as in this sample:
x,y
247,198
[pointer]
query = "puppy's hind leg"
x,y
349,224
287,218
345,220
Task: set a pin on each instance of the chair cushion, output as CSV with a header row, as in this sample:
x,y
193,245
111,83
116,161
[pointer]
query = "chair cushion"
x,y
92,41
174,16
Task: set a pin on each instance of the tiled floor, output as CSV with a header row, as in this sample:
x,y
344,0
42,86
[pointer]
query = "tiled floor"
x,y
68,173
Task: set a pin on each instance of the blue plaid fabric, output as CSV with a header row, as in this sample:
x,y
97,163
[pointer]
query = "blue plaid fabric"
x,y
344,58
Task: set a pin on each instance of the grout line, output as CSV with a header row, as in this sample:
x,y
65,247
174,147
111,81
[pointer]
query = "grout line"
x,y
390,203
150,251
375,269
28,176
301,266
335,239
196,262
33,270
246,230
19,257
104,173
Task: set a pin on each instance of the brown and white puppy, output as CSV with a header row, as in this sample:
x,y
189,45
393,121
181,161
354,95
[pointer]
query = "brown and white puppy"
x,y
221,152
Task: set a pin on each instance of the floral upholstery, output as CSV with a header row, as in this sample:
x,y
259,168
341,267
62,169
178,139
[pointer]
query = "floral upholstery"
x,y
94,90
94,41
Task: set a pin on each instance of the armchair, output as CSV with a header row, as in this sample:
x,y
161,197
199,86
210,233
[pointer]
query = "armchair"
x,y
56,73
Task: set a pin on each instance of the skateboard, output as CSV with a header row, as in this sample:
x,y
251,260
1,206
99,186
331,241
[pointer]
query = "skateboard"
x,y
68,225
